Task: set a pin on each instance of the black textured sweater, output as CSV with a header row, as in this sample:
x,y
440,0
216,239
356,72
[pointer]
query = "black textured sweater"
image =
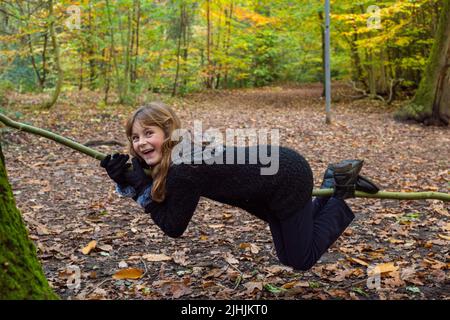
x,y
240,185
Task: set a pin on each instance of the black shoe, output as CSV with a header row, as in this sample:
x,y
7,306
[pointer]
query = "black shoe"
x,y
362,183
345,176
365,185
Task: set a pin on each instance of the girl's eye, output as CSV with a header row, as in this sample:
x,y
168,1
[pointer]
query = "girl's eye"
x,y
134,139
149,133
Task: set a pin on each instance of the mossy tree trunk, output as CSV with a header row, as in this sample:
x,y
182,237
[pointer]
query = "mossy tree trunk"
x,y
431,104
21,275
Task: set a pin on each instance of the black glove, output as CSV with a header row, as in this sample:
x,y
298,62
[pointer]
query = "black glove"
x,y
137,178
116,166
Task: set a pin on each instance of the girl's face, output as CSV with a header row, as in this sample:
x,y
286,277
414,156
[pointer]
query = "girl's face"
x,y
147,142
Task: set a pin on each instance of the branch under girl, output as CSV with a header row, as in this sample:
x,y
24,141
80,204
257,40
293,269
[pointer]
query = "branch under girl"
x,y
302,228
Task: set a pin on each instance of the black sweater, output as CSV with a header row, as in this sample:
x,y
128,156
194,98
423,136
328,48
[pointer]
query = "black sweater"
x,y
240,185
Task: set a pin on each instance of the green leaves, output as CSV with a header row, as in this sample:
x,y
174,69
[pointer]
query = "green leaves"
x,y
413,289
274,289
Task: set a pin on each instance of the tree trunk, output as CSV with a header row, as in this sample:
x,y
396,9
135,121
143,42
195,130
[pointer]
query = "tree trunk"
x,y
227,41
33,63
21,275
113,55
322,32
128,52
180,36
91,49
80,85
55,44
184,68
137,5
371,72
431,104
40,79
44,60
208,46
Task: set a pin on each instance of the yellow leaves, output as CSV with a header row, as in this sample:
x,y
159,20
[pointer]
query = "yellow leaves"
x,y
402,41
294,284
255,18
91,245
444,237
383,268
130,273
359,261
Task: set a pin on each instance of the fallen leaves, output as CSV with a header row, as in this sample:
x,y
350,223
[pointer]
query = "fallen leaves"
x,y
180,257
444,237
230,258
385,231
105,247
435,264
130,273
253,248
277,269
359,261
156,257
252,286
382,268
176,289
91,245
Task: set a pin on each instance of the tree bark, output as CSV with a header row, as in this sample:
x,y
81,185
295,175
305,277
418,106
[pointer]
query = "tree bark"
x,y
91,49
227,41
137,5
180,35
113,54
431,104
208,46
55,44
322,33
21,275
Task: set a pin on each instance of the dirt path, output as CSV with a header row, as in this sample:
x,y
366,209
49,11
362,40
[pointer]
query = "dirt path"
x,y
67,200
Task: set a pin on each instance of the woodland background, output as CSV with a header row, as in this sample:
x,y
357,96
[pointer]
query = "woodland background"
x,y
231,64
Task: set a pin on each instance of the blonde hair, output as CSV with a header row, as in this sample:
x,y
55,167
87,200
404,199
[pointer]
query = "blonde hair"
x,y
160,115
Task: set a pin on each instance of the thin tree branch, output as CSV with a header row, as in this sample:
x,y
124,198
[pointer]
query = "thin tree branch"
x,y
316,192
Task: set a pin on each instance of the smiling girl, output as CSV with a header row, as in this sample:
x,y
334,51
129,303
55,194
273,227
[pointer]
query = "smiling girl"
x,y
302,228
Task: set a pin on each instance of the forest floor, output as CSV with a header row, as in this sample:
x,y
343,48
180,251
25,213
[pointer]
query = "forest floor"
x,y
67,201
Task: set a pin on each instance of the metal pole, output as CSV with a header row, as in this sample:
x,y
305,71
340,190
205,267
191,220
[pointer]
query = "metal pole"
x,y
327,63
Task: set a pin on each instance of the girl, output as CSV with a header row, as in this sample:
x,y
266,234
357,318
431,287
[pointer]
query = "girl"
x,y
302,228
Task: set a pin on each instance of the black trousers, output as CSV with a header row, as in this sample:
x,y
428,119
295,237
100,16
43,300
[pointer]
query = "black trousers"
x,y
301,239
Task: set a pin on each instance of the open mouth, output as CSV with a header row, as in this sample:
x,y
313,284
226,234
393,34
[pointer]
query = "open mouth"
x,y
148,152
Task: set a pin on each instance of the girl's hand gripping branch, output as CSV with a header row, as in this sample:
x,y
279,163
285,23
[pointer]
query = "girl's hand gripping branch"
x,y
116,166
